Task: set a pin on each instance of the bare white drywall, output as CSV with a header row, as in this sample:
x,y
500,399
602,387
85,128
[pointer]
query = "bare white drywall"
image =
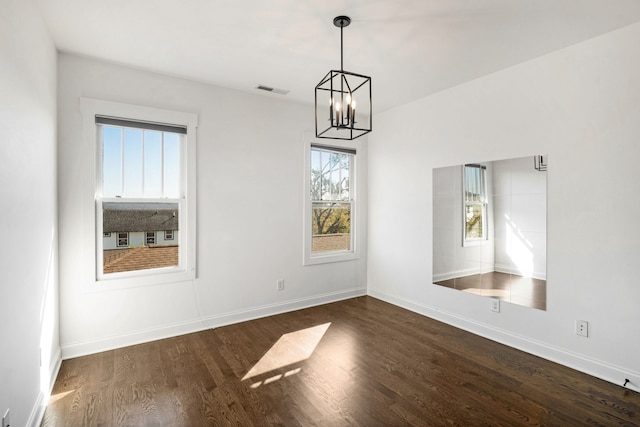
x,y
28,255
579,105
250,153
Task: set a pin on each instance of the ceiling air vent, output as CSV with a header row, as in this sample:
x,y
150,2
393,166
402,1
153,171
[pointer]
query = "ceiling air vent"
x,y
271,89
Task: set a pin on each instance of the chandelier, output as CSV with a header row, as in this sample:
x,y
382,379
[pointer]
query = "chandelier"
x,y
343,100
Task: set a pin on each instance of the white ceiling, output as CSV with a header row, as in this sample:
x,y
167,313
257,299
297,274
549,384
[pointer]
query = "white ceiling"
x,y
410,48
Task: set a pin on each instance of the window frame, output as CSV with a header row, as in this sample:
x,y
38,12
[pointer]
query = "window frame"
x,y
125,238
471,241
153,237
309,257
168,236
92,267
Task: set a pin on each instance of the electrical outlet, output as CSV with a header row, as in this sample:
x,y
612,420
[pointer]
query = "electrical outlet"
x,y
5,419
281,285
495,305
582,328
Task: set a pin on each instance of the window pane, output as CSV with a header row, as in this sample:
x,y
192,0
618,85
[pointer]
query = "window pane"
x,y
111,161
474,221
316,175
136,225
132,162
152,163
344,182
334,177
172,165
331,227
330,175
474,184
325,173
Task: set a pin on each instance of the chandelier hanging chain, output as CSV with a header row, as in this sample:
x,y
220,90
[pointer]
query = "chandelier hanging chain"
x,y
341,50
341,121
341,21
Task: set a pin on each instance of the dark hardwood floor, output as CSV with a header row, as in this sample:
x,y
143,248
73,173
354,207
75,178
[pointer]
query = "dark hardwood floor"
x,y
359,362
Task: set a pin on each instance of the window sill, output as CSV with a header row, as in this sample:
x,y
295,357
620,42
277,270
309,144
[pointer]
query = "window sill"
x,y
117,281
330,257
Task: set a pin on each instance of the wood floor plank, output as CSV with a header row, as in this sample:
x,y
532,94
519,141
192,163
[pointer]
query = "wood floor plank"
x,y
374,365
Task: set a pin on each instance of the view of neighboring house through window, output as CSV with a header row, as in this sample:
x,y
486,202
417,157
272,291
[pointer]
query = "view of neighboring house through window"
x,y
123,239
475,203
332,199
140,194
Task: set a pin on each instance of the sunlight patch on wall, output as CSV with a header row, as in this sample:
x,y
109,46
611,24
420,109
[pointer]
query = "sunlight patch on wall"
x,y
519,249
47,321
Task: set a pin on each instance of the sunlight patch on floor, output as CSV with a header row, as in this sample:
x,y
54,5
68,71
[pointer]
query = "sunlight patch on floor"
x,y
291,348
55,397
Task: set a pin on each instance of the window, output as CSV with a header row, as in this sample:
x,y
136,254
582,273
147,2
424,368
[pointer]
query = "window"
x,y
475,203
330,215
123,240
151,237
145,184
141,187
168,234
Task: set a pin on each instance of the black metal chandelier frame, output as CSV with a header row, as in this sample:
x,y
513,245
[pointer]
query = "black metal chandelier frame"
x,y
342,88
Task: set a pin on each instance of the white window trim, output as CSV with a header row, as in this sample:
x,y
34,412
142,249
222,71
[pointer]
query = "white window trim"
x,y
356,218
89,108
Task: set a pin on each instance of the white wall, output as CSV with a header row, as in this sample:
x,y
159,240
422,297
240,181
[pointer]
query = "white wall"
x,y
250,152
28,288
581,106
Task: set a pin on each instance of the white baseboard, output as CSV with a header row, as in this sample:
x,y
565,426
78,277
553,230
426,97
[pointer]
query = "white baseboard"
x,y
37,412
166,331
596,368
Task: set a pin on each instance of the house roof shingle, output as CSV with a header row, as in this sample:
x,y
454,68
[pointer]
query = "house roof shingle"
x,y
140,258
139,216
